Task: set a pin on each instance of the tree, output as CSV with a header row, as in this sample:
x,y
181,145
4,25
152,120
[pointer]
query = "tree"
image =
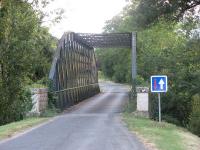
x,y
115,63
43,54
140,14
18,27
26,51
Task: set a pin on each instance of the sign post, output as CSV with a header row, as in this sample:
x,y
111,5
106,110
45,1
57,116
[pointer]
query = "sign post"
x,y
159,85
159,105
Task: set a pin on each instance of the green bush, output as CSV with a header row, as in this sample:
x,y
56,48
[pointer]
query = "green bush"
x,y
16,110
52,96
26,97
115,64
194,124
140,81
131,104
153,106
171,119
26,52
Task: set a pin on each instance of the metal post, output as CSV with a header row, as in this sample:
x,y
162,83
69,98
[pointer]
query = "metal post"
x,y
159,105
134,67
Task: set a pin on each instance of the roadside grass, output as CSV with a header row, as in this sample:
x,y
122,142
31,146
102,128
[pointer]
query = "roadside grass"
x,y
51,112
162,136
11,129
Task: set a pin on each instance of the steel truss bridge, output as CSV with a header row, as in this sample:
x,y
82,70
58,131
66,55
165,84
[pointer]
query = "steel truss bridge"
x,y
74,72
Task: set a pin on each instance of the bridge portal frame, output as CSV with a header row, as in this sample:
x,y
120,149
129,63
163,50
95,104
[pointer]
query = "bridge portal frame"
x,y
74,72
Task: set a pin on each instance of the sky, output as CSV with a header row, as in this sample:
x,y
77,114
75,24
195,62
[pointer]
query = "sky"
x,y
85,16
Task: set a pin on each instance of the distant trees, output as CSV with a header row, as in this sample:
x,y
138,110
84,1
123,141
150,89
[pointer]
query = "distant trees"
x,y
168,43
115,63
26,51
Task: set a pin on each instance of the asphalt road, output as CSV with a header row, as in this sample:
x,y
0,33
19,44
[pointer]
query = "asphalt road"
x,y
91,125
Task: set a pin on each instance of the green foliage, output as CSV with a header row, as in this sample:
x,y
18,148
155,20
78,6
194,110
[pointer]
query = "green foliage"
x,y
153,106
194,123
171,119
17,29
27,101
115,63
52,96
140,14
43,54
26,51
163,51
130,106
165,45
141,81
50,112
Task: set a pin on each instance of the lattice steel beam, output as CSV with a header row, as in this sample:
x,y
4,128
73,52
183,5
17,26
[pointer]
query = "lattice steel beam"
x,y
105,40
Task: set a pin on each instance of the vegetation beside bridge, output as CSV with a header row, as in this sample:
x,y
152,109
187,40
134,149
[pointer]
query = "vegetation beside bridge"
x,y
26,50
168,42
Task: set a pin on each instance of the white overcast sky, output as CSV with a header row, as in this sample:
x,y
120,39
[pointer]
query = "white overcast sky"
x,y
86,16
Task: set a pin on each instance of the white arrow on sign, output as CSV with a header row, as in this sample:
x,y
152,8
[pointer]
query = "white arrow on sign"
x,y
161,82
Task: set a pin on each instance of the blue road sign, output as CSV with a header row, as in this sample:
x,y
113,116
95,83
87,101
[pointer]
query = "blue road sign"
x,y
158,83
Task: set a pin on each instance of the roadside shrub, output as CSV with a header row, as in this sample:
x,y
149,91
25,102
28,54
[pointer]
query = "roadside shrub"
x,y
194,123
171,119
16,110
26,97
140,81
115,64
131,104
52,97
153,106
50,112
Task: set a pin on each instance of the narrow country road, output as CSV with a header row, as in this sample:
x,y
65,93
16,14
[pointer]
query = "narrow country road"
x,y
91,125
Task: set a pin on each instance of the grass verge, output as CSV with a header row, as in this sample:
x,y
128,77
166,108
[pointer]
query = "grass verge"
x,y
11,129
162,136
